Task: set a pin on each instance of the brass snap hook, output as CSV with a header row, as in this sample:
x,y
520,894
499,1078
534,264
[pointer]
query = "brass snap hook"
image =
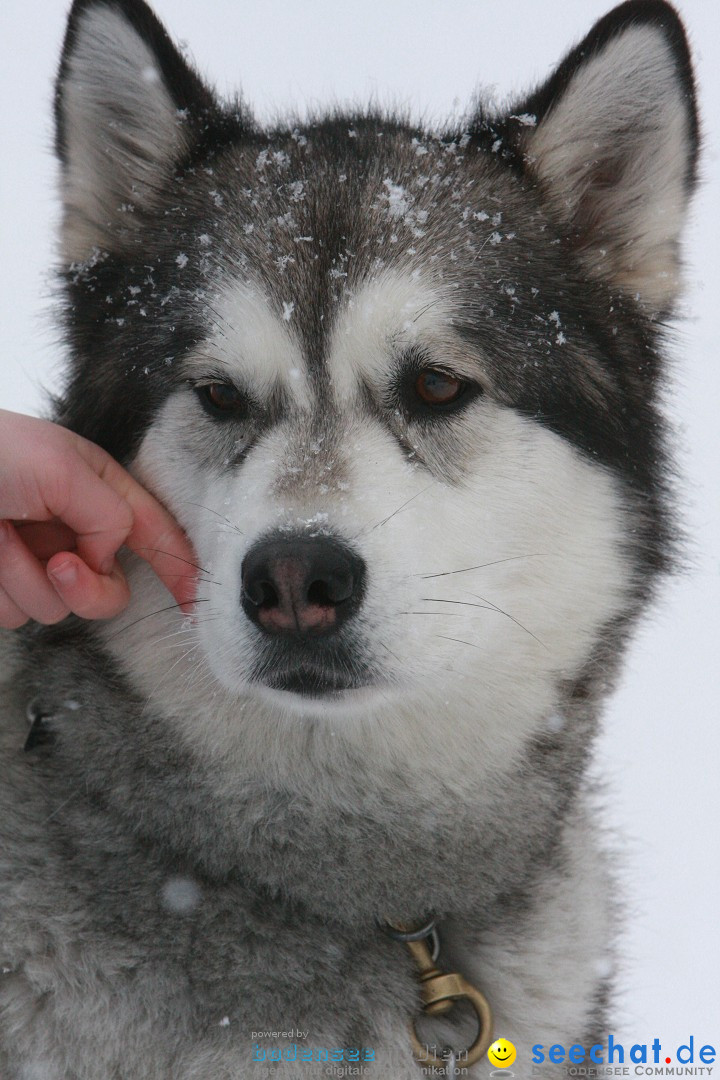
x,y
439,991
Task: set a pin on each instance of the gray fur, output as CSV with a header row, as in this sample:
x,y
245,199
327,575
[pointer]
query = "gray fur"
x,y
190,855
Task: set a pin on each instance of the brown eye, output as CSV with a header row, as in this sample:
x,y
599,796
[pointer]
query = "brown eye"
x,y
437,387
222,398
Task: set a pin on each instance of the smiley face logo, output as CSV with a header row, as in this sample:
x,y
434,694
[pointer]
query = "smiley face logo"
x,y
502,1053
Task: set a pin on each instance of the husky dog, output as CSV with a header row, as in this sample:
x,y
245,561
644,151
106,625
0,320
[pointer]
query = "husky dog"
x,y
399,386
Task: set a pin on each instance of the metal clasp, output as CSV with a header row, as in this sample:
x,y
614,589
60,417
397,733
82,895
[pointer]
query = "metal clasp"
x,y
439,991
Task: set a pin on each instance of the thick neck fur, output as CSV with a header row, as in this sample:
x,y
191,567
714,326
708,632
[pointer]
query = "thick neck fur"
x,y
341,836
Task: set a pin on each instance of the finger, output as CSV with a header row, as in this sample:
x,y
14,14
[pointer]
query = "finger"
x,y
61,478
155,535
95,510
87,594
10,614
24,581
170,555
99,501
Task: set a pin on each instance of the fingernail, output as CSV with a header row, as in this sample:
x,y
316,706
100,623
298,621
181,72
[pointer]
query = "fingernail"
x,y
108,565
65,573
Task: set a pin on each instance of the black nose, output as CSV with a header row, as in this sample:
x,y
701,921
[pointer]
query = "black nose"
x,y
301,585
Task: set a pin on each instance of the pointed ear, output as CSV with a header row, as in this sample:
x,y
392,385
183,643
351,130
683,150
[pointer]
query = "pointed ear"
x,y
612,139
127,107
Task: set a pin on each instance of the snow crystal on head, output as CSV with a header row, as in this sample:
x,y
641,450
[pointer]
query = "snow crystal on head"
x,y
181,895
397,199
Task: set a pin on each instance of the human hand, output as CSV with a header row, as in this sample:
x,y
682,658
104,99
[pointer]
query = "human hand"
x,y
66,507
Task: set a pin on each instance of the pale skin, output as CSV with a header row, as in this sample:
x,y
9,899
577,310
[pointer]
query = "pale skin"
x,y
66,508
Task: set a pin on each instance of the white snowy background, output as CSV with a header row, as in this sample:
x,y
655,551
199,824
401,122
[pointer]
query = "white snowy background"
x,y
660,751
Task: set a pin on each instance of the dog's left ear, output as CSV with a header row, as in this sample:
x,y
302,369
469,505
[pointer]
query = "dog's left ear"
x,y
612,140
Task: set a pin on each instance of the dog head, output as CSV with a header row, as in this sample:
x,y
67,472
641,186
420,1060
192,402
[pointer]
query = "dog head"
x,y
398,385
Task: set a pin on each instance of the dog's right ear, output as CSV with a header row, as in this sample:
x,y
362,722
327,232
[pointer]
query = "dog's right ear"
x,y
127,109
